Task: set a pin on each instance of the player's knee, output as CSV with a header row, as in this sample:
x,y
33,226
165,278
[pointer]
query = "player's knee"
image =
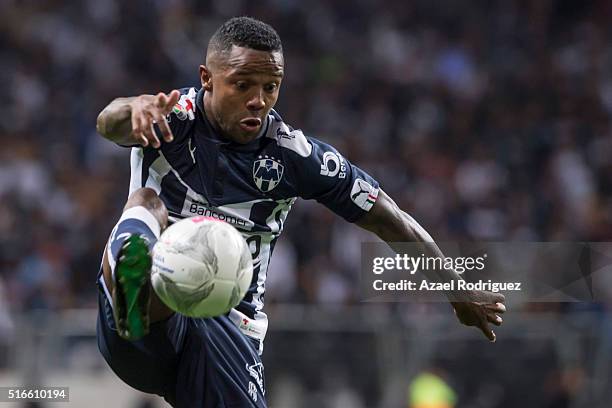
x,y
148,198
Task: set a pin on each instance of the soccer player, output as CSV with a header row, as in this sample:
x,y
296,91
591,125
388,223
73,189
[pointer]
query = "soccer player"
x,y
222,151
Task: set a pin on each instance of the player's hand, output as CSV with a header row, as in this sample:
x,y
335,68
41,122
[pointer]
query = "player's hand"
x,y
148,110
480,309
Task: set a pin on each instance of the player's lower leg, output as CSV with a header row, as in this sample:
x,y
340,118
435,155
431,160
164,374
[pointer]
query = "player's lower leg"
x,y
129,259
132,290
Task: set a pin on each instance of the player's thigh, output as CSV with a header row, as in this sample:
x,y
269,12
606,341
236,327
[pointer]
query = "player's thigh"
x,y
149,364
220,367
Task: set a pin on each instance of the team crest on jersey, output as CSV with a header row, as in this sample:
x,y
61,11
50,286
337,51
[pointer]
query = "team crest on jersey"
x,y
267,173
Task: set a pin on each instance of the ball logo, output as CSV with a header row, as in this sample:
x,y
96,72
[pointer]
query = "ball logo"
x,y
267,173
202,218
333,165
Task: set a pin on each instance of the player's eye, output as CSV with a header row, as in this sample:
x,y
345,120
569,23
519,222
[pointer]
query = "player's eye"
x,y
271,87
242,85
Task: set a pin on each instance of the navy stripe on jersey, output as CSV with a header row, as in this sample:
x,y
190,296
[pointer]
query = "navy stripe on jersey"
x,y
172,193
149,157
260,212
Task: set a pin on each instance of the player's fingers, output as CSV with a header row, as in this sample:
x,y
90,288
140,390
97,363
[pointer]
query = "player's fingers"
x,y
137,129
486,330
496,307
495,319
152,135
149,132
161,100
141,139
169,101
173,98
164,128
486,297
498,298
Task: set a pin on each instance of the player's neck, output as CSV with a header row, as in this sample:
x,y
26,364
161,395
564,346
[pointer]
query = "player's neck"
x,y
210,117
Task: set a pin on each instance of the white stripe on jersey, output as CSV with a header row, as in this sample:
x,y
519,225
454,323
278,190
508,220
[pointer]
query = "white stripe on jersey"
x,y
136,157
284,206
157,170
264,260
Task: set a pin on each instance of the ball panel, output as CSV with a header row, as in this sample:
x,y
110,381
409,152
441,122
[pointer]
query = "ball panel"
x,y
185,269
216,303
201,267
178,297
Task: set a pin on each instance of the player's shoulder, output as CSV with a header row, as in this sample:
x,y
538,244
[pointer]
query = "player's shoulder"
x,y
289,139
305,155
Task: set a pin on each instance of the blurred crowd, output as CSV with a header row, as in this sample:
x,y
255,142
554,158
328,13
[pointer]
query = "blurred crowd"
x,y
485,120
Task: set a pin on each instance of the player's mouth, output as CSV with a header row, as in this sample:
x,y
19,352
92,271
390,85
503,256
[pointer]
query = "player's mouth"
x,y
250,124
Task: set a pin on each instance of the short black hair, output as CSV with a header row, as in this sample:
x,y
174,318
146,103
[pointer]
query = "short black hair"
x,y
245,32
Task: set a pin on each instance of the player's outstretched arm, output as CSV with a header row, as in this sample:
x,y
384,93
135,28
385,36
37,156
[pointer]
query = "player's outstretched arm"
x,y
130,121
391,224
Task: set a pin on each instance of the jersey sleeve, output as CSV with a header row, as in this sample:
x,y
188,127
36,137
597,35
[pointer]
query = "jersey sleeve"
x,y
329,178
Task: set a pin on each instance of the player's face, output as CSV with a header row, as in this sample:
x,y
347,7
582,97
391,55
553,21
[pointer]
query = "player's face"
x,y
242,87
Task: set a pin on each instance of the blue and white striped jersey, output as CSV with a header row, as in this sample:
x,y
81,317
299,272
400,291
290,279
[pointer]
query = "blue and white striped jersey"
x,y
251,186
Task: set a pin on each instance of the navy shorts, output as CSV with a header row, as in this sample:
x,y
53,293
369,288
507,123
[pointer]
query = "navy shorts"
x,y
190,362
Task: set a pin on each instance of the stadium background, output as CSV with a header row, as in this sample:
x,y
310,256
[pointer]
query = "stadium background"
x,y
486,120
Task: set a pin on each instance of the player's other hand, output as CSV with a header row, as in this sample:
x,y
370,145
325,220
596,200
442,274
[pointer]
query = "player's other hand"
x,y
148,110
480,309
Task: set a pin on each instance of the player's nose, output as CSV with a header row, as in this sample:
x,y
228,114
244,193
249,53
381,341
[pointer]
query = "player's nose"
x,y
256,102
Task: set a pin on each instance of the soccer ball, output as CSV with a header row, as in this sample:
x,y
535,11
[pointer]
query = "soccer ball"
x,y
202,267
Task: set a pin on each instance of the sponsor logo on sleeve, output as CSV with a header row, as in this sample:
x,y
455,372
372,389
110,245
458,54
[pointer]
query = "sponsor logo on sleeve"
x,y
363,194
184,108
333,165
180,112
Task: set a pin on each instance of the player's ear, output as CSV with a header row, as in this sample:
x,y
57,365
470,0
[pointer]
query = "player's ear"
x,y
206,78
